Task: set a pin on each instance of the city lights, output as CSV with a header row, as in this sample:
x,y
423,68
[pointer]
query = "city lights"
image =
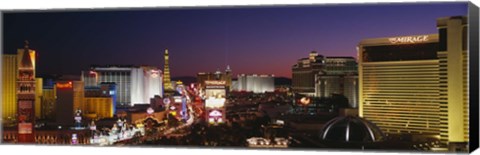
x,y
64,85
256,86
212,102
409,39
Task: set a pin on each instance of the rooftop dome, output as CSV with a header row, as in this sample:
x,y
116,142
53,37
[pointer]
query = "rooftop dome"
x,y
351,129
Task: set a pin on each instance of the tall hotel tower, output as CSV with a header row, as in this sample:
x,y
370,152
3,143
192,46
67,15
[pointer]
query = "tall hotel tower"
x,y
133,84
321,76
167,84
26,94
418,85
9,81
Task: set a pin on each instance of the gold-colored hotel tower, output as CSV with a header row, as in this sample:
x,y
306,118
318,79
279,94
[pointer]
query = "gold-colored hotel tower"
x,y
167,84
9,85
418,85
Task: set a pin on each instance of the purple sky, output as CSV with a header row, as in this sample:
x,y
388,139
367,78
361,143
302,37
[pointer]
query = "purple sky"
x,y
262,40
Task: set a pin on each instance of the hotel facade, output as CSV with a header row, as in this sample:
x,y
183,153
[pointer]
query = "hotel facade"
x,y
217,75
9,88
417,85
255,83
339,76
308,73
134,85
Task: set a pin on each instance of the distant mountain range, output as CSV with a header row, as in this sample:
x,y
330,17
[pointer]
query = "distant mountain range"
x,y
278,81
56,77
282,81
185,79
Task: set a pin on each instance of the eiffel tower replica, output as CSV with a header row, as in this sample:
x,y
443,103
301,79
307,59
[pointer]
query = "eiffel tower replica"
x,y
167,84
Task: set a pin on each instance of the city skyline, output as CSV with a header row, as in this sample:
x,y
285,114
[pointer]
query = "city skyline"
x,y
361,76
272,39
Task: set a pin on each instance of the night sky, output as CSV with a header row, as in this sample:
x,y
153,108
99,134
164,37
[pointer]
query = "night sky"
x,y
262,40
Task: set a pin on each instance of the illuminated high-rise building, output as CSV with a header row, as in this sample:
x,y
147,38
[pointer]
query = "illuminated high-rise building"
x,y
70,97
167,84
78,95
339,76
133,84
217,75
255,83
453,56
418,85
48,103
100,106
38,97
99,101
26,94
305,73
152,83
126,78
9,73
9,91
9,85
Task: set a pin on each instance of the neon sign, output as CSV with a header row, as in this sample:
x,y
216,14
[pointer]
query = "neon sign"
x,y
215,116
177,99
214,102
64,85
166,101
409,39
154,73
74,139
25,128
215,82
215,113
150,111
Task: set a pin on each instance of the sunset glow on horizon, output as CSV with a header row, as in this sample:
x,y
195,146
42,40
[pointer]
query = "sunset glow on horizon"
x,y
252,40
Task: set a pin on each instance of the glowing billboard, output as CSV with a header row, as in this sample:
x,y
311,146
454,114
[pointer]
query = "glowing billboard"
x,y
214,102
215,116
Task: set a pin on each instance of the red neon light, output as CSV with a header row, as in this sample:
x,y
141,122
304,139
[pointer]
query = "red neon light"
x,y
65,85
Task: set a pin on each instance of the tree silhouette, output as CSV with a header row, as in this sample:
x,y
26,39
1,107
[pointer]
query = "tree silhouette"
x,y
339,101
